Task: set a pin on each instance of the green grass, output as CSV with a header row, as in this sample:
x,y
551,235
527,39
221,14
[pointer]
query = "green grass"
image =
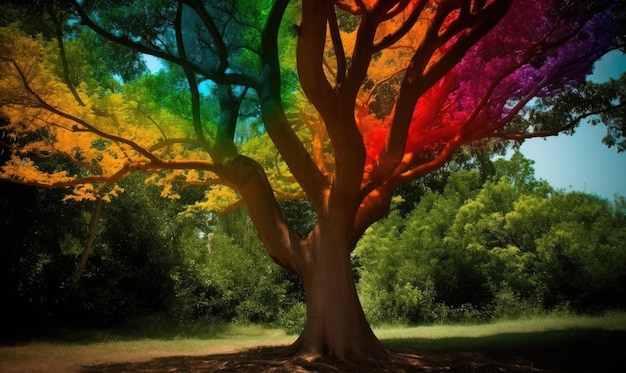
x,y
68,350
567,343
559,344
610,321
142,331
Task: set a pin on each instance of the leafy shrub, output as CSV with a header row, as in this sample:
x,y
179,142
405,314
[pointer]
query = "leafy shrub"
x,y
292,320
511,247
510,305
464,314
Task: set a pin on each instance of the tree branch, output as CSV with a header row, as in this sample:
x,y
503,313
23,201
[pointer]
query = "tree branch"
x,y
556,131
340,54
64,65
191,79
256,191
95,218
222,50
423,73
392,38
299,161
88,127
310,54
221,78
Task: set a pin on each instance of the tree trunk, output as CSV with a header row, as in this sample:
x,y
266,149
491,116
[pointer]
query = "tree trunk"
x,y
336,327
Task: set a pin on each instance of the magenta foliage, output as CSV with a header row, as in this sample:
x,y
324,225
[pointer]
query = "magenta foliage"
x,y
538,48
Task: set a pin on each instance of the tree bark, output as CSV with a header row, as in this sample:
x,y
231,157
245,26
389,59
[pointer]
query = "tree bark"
x,y
336,327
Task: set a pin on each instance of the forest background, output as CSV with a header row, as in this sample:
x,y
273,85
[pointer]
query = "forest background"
x,y
470,244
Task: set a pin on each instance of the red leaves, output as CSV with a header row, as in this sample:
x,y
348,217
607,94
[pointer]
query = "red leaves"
x,y
532,52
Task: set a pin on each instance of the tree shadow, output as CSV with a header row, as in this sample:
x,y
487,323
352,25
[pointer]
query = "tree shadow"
x,y
554,351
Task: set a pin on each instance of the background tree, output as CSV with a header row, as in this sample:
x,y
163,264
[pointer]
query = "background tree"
x,y
509,247
347,156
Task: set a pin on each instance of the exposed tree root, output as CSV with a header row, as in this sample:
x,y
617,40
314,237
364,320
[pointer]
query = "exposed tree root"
x,y
588,351
271,361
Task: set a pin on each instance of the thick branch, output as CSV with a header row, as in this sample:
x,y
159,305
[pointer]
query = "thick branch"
x,y
257,193
423,73
310,54
361,56
220,78
64,65
191,80
392,38
340,54
229,109
292,150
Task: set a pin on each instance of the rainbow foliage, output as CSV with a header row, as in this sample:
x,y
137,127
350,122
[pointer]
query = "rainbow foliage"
x,y
536,50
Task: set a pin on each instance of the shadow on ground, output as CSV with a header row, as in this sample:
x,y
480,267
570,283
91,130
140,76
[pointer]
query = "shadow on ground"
x,y
555,351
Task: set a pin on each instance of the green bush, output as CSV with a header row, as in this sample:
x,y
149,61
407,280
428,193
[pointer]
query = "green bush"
x,y
511,247
510,305
292,320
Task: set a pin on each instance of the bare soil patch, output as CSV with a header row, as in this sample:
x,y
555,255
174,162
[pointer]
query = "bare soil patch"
x,y
555,351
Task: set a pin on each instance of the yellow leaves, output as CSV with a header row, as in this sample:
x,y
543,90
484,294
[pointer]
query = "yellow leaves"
x,y
25,171
81,193
21,50
217,199
262,150
167,192
104,139
50,125
87,192
167,181
192,176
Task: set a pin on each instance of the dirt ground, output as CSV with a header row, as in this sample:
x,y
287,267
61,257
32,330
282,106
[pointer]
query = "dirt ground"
x,y
586,351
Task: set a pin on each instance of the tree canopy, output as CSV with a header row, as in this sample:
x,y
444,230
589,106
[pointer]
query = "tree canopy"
x,y
353,98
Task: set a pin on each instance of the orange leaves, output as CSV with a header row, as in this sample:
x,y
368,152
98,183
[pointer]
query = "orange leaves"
x,y
25,171
100,141
352,6
87,192
361,6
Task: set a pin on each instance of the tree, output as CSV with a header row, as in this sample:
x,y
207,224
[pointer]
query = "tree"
x,y
386,92
512,246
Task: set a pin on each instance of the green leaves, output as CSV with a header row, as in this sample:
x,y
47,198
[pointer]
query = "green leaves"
x,y
598,103
483,249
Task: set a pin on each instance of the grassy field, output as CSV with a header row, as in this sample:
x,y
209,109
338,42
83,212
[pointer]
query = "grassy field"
x,y
558,344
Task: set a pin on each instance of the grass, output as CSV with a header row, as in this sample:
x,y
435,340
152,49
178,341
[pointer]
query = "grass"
x,y
69,350
578,343
557,344
610,321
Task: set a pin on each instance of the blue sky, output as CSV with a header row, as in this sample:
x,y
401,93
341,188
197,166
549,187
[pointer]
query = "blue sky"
x,y
581,162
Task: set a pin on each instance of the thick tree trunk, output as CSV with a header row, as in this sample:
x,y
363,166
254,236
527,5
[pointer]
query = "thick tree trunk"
x,y
336,327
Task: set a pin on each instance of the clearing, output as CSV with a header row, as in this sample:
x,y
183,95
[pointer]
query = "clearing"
x,y
558,344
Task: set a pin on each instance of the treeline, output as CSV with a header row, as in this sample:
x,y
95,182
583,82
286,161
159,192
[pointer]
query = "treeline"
x,y
477,247
149,257
508,247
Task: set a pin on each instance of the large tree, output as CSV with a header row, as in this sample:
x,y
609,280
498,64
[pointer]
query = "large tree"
x,y
385,93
